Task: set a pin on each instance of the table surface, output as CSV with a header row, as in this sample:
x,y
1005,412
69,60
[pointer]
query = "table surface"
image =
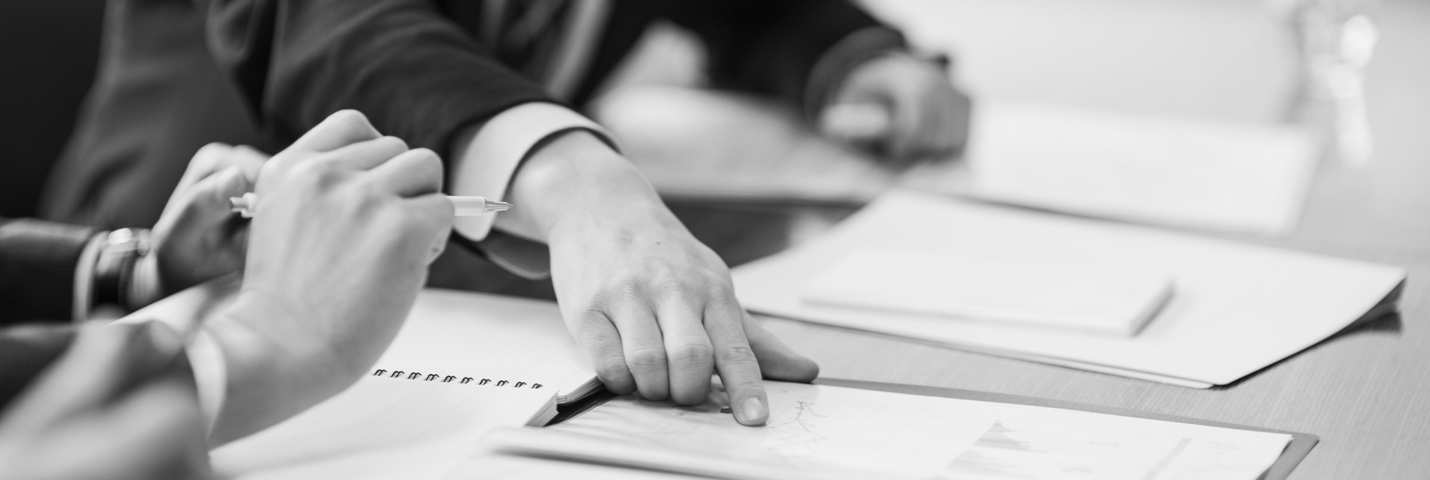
x,y
1364,391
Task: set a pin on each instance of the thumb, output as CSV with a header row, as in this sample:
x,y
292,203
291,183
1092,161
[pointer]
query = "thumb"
x,y
777,360
209,198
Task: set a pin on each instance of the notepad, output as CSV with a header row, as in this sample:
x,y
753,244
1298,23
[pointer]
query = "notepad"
x,y
1251,305
462,364
818,431
1012,291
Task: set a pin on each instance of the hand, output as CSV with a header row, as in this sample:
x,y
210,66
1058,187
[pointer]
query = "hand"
x,y
927,116
113,407
197,238
652,307
346,223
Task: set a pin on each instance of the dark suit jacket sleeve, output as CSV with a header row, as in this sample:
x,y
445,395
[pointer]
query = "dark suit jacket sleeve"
x,y
773,46
37,268
414,73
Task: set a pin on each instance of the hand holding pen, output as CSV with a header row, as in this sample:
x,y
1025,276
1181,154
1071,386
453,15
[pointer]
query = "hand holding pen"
x,y
247,205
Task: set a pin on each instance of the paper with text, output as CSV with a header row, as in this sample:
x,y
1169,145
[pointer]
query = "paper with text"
x,y
824,429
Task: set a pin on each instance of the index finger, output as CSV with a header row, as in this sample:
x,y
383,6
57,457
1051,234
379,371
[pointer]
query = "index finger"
x,y
735,362
340,129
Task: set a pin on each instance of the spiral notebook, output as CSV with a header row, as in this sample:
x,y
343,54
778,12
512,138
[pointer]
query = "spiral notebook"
x,y
462,364
461,338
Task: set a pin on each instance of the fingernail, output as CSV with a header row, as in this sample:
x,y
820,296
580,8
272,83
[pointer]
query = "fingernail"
x,y
753,411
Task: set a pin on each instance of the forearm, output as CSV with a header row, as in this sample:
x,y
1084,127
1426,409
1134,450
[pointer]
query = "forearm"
x,y
268,376
296,62
576,179
38,262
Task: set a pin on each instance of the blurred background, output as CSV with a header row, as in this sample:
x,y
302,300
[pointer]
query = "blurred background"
x,y
1243,61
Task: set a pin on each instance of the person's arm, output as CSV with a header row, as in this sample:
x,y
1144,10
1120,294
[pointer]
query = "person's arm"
x,y
652,307
346,223
59,272
99,401
817,53
38,265
794,49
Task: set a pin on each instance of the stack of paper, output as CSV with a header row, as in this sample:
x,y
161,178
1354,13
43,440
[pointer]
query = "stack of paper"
x,y
1250,305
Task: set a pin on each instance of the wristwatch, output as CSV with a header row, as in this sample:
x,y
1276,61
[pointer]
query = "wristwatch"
x,y
119,252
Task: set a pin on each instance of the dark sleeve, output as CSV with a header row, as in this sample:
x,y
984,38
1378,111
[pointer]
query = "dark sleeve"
x,y
25,351
37,268
413,72
773,46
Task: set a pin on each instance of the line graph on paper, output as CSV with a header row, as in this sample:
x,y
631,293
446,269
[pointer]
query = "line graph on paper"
x,y
910,436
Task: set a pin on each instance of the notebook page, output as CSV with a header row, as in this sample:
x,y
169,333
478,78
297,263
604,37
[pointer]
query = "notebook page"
x,y
814,427
381,428
504,340
447,333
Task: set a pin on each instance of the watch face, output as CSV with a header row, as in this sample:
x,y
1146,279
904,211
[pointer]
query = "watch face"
x,y
127,240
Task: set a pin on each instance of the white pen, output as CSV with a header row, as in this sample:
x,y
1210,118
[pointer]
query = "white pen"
x,y
462,206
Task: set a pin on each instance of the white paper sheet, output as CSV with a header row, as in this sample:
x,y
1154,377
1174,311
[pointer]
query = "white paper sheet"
x,y
1217,175
490,336
819,431
1251,305
1225,176
381,428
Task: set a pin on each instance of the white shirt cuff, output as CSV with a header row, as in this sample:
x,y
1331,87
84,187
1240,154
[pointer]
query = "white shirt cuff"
x,y
210,376
489,162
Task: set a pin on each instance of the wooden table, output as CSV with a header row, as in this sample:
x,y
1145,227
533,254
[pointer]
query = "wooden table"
x,y
1365,391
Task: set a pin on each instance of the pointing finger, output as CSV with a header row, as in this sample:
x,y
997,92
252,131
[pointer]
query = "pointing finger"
x,y
739,370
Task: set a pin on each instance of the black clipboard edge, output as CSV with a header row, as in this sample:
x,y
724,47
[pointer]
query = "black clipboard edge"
x,y
1300,445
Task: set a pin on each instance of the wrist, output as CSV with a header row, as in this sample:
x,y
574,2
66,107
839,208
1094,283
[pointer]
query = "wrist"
x,y
270,374
576,180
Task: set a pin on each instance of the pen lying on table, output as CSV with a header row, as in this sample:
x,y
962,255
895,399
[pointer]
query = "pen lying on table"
x,y
462,206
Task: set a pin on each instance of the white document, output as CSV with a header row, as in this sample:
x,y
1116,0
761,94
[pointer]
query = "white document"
x,y
382,428
1250,305
831,432
967,288
1215,175
1225,176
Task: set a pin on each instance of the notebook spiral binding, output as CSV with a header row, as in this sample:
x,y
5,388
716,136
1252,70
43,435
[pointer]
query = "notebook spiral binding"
x,y
431,377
